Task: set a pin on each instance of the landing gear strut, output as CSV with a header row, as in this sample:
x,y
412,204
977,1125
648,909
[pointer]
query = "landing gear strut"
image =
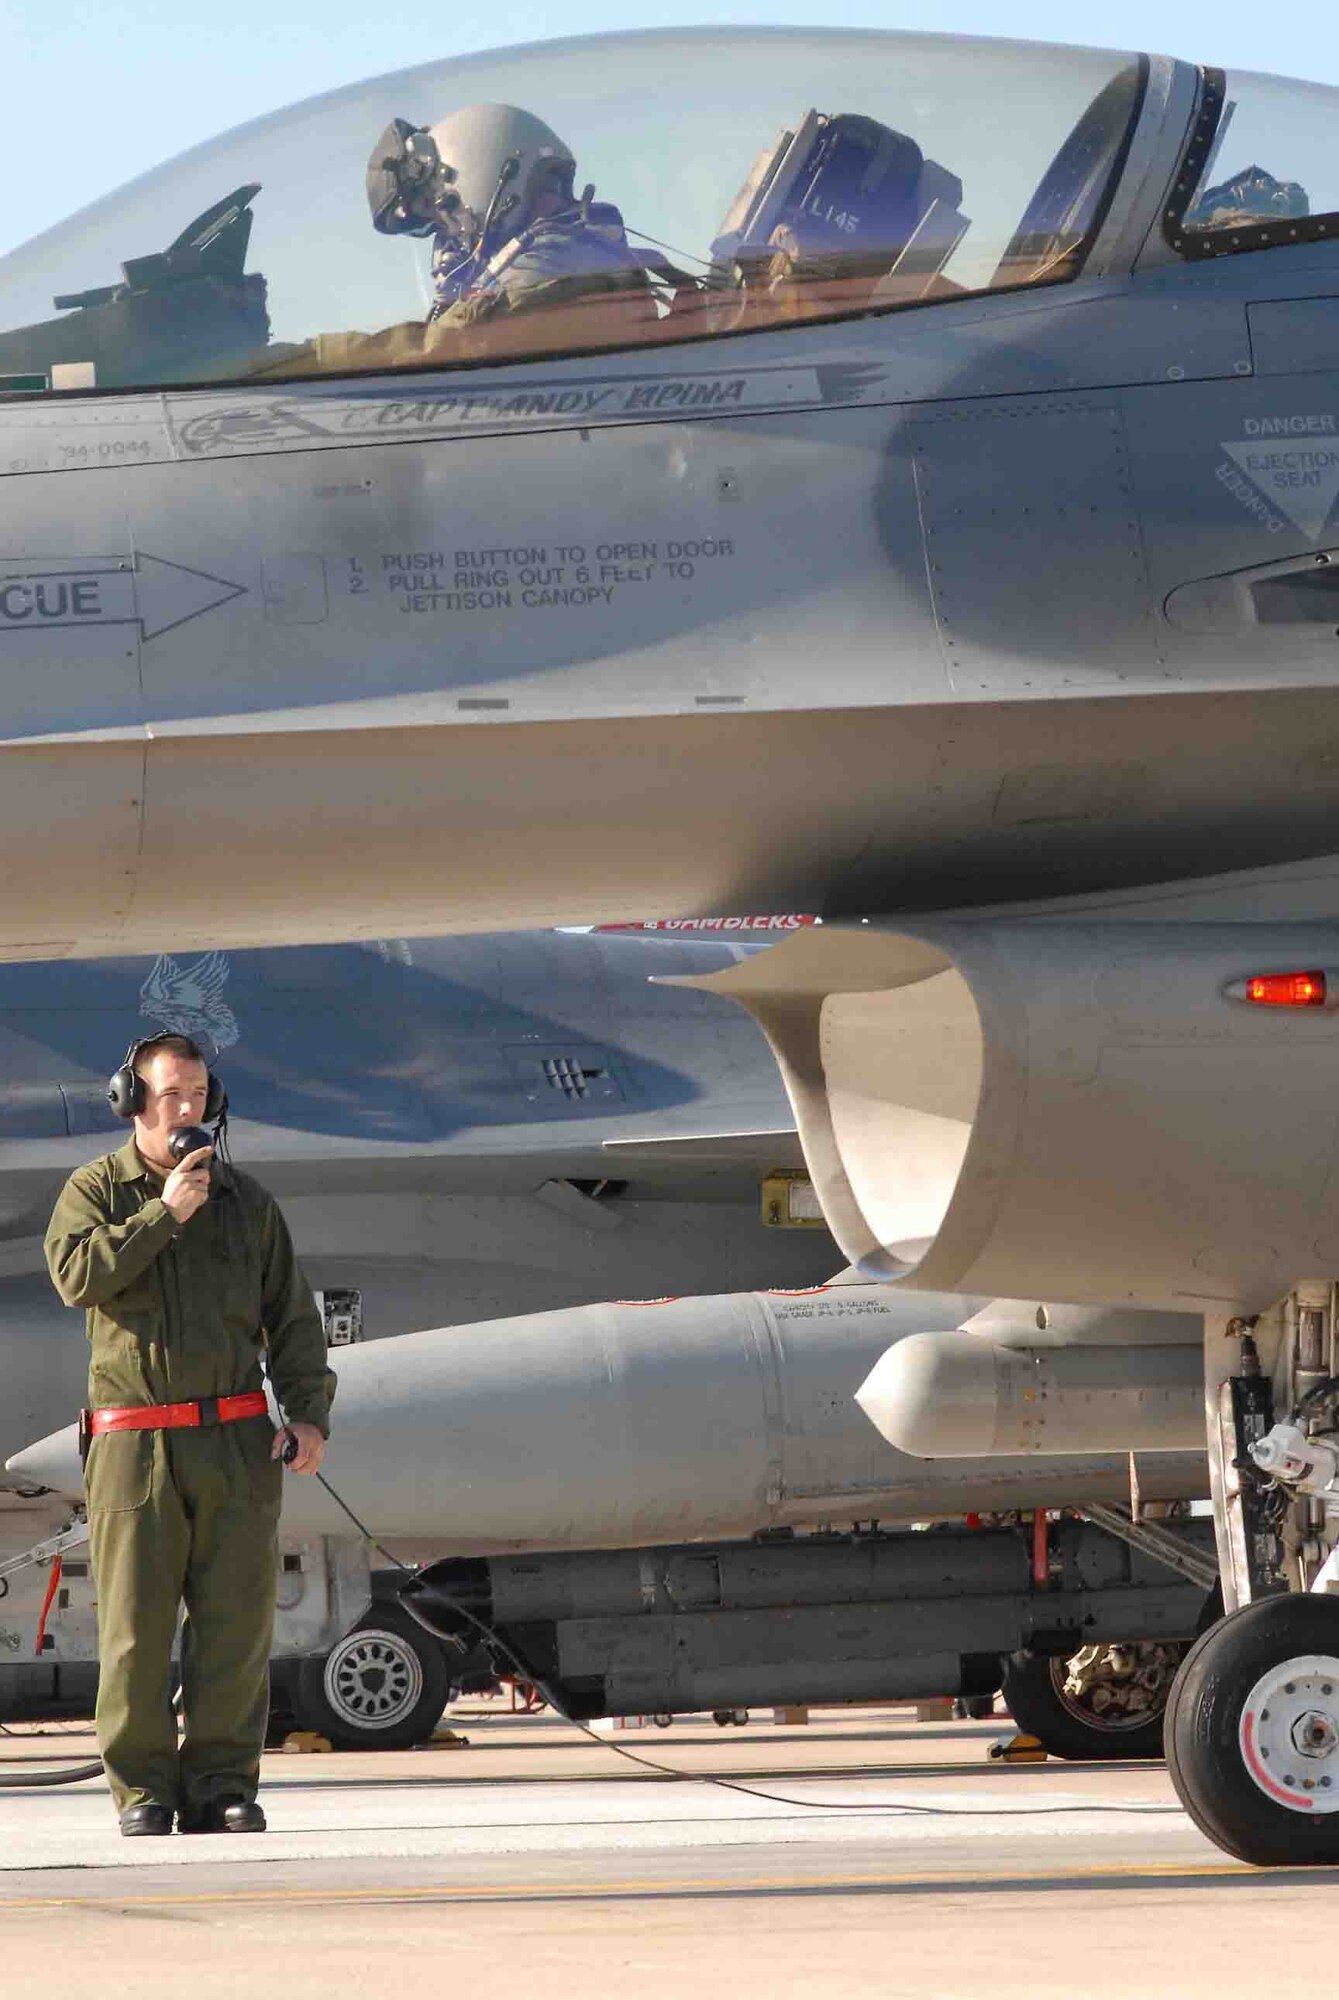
x,y
1252,1725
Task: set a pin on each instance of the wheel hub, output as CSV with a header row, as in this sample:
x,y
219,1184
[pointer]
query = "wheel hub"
x,y
1289,1734
373,1679
1120,1687
1314,1734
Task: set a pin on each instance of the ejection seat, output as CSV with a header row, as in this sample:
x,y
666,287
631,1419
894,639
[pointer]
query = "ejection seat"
x,y
839,214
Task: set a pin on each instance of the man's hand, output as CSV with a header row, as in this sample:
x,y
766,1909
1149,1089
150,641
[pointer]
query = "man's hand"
x,y
311,1447
187,1186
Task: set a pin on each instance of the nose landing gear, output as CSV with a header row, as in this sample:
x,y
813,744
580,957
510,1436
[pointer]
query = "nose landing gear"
x,y
1252,1732
1252,1726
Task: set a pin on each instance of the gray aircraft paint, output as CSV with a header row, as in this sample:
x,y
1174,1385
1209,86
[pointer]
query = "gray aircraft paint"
x,y
541,1046
959,513
632,1423
903,481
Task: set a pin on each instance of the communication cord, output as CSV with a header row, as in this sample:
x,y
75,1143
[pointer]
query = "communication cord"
x,y
898,1809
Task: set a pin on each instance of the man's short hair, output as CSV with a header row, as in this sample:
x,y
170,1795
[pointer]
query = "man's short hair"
x,y
173,1045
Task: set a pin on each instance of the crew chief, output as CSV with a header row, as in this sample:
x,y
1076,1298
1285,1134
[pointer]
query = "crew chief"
x,y
186,1272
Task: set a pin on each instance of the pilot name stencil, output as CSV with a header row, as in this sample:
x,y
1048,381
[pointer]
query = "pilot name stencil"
x,y
323,421
548,576
144,592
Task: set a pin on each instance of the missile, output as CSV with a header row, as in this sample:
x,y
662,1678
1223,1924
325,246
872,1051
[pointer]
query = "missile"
x,y
637,1423
1004,1383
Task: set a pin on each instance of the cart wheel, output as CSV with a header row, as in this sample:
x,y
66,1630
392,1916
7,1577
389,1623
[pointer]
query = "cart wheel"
x,y
1103,1703
383,1686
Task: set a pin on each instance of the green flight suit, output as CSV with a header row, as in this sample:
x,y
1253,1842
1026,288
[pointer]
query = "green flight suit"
x,y
177,1312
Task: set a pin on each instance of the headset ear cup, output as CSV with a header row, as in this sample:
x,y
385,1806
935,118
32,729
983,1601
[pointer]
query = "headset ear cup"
x,y
216,1100
125,1092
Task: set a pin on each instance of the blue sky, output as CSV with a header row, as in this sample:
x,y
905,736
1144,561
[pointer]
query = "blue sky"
x,y
121,85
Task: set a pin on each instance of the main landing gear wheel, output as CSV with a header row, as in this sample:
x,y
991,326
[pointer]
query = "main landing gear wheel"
x,y
1253,1732
383,1686
1103,1703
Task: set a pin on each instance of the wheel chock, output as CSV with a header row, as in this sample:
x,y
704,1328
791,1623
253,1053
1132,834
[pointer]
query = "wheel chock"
x,y
443,1738
302,1742
1017,1749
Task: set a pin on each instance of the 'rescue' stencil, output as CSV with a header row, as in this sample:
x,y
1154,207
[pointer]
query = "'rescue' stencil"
x,y
145,592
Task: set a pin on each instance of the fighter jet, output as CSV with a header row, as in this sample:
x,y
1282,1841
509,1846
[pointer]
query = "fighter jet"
x,y
380,595
459,1129
951,508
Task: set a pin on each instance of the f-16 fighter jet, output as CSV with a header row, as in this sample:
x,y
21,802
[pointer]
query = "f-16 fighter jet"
x,y
482,498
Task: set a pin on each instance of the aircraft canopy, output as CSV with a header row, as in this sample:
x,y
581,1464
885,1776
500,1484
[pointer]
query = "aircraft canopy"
x,y
614,192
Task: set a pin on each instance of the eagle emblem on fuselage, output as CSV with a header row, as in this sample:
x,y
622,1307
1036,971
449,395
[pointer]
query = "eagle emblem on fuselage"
x,y
188,1000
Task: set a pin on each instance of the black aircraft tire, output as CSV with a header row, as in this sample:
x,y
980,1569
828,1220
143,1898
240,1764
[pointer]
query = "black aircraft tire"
x,y
1206,1743
383,1686
1033,1697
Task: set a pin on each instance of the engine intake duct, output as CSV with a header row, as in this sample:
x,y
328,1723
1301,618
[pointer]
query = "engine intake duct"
x,y
1078,1110
823,1618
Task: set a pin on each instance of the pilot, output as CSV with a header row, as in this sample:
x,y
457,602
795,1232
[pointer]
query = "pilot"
x,y
493,187
186,1273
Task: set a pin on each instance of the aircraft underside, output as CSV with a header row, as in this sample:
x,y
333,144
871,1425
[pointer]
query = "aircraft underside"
x,y
322,835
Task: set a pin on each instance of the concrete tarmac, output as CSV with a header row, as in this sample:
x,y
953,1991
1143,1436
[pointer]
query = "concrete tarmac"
x,y
538,1862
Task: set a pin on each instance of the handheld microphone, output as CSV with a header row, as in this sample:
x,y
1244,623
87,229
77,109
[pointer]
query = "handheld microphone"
x,y
189,1139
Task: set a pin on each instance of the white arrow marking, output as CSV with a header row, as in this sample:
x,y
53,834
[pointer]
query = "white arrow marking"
x,y
147,591
168,594
1300,479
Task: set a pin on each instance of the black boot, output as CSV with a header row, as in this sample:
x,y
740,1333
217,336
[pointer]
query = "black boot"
x,y
150,1818
224,1816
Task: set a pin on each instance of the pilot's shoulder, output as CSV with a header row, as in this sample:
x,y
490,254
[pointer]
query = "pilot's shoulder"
x,y
579,261
607,220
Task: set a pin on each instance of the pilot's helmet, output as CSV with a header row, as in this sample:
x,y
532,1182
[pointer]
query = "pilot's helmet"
x,y
489,166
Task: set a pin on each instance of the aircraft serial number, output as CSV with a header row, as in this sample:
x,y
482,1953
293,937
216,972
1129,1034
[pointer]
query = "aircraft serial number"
x,y
120,448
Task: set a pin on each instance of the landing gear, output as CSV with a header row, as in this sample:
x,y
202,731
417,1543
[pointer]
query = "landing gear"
x,y
1102,1703
1252,1727
1252,1732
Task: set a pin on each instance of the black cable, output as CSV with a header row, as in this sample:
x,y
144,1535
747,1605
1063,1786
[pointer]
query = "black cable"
x,y
690,256
493,1638
73,1776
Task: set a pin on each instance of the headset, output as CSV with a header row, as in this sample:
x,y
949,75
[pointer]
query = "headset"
x,y
125,1089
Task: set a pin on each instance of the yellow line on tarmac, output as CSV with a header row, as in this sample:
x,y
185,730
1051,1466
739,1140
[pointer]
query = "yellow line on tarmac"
x,y
666,1887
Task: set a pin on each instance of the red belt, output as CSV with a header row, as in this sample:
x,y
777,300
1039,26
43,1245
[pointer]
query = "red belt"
x,y
182,1416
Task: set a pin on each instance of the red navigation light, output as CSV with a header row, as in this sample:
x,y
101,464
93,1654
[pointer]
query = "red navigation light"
x,y
1287,989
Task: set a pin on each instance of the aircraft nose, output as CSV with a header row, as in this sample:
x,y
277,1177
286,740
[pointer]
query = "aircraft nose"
x,y
53,1462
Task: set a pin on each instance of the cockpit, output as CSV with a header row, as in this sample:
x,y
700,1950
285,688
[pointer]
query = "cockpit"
x,y
621,191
